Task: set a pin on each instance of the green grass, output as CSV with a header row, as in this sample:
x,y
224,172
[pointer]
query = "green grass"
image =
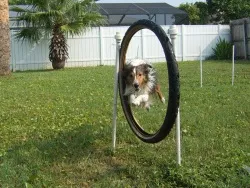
x,y
56,129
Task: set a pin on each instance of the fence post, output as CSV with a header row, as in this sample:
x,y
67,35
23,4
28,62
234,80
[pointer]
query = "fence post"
x,y
245,38
100,46
201,65
173,33
182,41
218,30
142,44
118,39
233,65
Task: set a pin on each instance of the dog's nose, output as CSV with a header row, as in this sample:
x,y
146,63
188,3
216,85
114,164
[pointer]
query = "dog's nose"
x,y
136,85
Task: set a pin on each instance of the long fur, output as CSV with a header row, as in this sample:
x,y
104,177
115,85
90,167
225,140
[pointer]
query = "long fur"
x,y
141,82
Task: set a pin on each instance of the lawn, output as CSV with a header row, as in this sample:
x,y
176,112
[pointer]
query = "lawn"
x,y
56,131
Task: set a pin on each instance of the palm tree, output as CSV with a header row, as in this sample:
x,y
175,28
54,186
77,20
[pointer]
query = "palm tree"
x,y
4,38
56,19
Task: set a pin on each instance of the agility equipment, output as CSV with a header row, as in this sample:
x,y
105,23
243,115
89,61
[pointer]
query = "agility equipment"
x,y
173,83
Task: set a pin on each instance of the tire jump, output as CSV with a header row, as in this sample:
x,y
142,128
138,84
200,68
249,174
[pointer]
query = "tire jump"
x,y
172,104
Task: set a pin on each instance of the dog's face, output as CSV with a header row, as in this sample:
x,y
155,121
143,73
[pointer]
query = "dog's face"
x,y
136,76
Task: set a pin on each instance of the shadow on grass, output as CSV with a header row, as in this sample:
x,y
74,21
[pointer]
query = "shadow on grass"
x,y
49,157
89,147
72,145
38,70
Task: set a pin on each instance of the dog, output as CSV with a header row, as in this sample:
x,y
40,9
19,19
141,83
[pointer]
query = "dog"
x,y
140,82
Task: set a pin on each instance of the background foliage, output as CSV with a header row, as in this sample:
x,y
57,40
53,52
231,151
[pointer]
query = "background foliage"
x,y
223,50
216,11
222,11
19,2
193,12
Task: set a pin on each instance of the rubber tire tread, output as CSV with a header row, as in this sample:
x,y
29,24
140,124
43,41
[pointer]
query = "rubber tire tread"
x,y
173,78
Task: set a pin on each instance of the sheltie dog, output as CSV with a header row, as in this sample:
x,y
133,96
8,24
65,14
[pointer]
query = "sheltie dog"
x,y
141,82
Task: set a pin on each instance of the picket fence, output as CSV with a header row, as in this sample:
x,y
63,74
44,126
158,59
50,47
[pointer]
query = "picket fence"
x,y
97,46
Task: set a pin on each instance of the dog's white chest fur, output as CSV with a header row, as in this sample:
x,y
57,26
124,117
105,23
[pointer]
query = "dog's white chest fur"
x,y
140,98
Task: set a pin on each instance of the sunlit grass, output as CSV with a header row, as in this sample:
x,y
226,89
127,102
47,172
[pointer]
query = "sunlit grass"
x,y
56,129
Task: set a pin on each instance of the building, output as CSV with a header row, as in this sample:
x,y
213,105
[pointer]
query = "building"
x,y
127,13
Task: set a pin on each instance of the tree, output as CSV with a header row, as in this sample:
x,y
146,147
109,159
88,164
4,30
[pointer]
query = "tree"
x,y
193,12
203,12
4,38
18,2
56,18
21,2
222,11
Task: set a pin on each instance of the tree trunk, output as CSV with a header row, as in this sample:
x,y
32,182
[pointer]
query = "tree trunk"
x,y
58,64
4,38
58,52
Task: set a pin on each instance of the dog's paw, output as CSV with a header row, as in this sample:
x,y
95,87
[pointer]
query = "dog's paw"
x,y
147,106
163,100
136,102
144,98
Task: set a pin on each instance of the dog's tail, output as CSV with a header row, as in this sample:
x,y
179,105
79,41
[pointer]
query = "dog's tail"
x,y
159,93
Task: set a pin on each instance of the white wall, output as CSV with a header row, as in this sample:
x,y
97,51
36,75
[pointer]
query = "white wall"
x,y
97,46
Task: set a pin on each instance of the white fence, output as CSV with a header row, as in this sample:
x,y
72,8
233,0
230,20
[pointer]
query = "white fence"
x,y
97,46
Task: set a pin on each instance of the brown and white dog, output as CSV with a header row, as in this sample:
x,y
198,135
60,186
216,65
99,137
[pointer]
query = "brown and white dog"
x,y
141,82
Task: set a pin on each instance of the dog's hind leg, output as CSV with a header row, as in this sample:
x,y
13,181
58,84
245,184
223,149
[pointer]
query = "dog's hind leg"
x,y
159,93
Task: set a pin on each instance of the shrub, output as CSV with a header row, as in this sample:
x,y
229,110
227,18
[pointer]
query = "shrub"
x,y
222,50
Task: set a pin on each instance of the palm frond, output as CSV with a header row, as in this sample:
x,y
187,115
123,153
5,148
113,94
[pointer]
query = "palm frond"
x,y
31,34
71,16
40,5
73,28
20,9
92,19
82,24
80,8
39,19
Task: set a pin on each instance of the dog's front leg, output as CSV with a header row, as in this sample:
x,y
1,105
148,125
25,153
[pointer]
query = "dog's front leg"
x,y
143,98
134,100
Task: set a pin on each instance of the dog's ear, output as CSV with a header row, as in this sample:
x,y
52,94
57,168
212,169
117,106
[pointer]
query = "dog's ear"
x,y
147,68
124,73
126,70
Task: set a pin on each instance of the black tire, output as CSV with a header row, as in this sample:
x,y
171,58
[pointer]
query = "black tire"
x,y
173,81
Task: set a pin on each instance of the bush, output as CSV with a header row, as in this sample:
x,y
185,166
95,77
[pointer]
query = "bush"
x,y
222,50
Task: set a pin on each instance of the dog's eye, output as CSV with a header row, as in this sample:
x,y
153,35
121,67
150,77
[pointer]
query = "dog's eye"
x,y
131,75
139,74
